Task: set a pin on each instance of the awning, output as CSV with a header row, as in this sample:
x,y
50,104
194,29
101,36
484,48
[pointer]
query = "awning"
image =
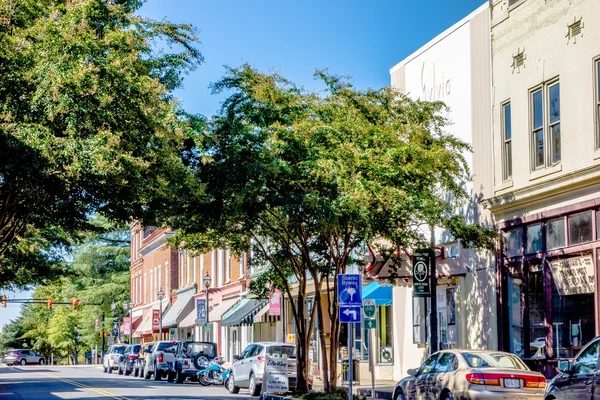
x,y
382,295
260,316
189,320
145,328
180,309
216,314
243,313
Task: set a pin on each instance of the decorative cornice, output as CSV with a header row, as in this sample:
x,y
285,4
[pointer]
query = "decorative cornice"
x,y
155,243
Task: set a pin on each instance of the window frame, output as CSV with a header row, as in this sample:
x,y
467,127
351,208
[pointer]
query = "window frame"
x,y
596,80
506,155
545,128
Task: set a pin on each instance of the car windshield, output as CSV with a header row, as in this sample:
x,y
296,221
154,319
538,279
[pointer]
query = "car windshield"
x,y
119,349
278,351
493,360
136,348
166,346
193,349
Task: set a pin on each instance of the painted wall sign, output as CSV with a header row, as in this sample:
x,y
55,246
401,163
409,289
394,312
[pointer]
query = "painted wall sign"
x,y
573,275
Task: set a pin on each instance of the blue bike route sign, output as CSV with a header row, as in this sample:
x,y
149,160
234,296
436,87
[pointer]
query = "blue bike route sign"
x,y
349,290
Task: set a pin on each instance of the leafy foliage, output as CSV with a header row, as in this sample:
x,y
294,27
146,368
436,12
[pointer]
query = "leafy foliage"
x,y
88,123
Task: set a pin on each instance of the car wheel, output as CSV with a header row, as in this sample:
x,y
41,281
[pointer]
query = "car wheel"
x,y
253,387
119,370
23,362
146,373
157,374
170,377
231,385
399,395
127,371
447,396
179,378
42,361
104,369
109,369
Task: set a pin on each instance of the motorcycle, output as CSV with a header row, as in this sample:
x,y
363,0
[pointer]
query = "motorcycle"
x,y
226,374
212,373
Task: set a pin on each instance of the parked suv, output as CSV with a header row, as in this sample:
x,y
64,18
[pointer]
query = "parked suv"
x,y
189,357
23,357
157,360
111,359
140,362
247,370
132,353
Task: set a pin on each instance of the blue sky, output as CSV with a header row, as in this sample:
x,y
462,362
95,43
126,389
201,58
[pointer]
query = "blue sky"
x,y
358,38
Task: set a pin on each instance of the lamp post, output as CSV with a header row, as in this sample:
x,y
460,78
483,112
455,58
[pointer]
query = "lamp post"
x,y
113,307
161,296
207,280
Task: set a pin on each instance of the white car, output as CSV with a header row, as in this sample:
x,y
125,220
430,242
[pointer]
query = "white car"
x,y
158,360
111,359
247,369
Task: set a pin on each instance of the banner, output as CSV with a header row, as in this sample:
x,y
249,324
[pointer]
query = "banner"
x,y
201,311
155,321
276,374
275,304
126,326
573,275
421,277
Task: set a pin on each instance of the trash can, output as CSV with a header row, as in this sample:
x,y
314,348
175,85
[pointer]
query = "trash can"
x,y
355,370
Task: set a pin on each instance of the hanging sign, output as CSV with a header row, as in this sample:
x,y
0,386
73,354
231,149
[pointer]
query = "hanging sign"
x,y
421,276
201,311
275,304
126,326
155,321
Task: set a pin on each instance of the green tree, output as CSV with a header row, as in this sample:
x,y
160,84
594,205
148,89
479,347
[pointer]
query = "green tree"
x,y
311,178
88,124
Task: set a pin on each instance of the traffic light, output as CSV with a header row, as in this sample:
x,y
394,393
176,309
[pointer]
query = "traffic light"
x,y
75,303
4,300
50,301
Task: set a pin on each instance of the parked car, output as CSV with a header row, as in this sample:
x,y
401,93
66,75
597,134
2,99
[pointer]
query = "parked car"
x,y
23,357
189,357
131,353
111,359
248,368
577,379
471,374
157,360
138,365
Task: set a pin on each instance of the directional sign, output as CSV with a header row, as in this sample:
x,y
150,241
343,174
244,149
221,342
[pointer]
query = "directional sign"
x,y
350,314
370,324
349,290
369,308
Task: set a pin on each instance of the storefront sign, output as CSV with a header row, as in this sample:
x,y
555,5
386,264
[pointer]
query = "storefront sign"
x,y
421,278
276,374
573,275
155,321
275,304
201,311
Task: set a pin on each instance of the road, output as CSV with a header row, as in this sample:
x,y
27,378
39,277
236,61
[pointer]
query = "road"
x,y
90,383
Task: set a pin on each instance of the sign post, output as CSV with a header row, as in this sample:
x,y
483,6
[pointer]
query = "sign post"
x,y
276,374
370,323
349,292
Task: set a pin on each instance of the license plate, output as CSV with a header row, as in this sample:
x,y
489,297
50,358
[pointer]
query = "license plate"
x,y
512,383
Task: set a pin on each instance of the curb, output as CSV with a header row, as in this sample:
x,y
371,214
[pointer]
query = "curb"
x,y
379,394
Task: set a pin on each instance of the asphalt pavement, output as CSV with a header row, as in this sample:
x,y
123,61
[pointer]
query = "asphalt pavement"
x,y
90,383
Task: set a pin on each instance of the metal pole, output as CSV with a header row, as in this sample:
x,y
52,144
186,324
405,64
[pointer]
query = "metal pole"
x,y
206,326
130,325
350,365
102,331
371,361
160,322
433,323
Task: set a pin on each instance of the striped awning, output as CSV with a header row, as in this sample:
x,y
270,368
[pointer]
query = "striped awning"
x,y
243,313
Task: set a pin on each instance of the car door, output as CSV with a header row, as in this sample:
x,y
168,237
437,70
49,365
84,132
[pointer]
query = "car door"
x,y
578,384
443,374
423,379
254,363
241,369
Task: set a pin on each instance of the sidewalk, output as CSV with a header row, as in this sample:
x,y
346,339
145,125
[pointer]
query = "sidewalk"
x,y
383,389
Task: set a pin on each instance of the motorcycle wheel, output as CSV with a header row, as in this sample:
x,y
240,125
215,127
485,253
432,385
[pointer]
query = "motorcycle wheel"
x,y
203,380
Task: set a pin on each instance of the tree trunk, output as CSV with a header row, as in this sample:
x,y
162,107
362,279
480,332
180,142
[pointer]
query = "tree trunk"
x,y
323,343
301,343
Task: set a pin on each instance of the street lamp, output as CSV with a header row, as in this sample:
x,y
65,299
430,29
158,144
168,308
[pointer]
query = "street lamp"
x,y
161,296
207,280
113,307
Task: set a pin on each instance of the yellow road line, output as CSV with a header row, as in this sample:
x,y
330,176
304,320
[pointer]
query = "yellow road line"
x,y
86,387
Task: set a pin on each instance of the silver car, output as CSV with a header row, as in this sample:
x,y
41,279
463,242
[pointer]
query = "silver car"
x,y
471,374
23,357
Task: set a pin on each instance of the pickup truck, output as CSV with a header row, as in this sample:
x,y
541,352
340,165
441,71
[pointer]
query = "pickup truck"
x,y
189,357
111,359
158,359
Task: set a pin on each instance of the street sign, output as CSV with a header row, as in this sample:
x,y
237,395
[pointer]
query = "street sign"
x,y
370,323
350,314
349,290
201,311
421,276
208,327
369,308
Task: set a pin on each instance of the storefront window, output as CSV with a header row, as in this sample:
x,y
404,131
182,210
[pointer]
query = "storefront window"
x,y
580,228
555,233
514,242
534,238
537,332
385,334
515,315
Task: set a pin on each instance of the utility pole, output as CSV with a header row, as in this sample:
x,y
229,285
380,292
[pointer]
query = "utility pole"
x,y
433,322
103,337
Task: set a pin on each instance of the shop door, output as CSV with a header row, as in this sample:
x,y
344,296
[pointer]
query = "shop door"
x,y
442,318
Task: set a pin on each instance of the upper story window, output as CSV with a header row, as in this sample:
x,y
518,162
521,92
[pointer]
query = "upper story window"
x,y
507,138
597,102
545,125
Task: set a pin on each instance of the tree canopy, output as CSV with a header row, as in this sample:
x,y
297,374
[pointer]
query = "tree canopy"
x,y
312,178
88,124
